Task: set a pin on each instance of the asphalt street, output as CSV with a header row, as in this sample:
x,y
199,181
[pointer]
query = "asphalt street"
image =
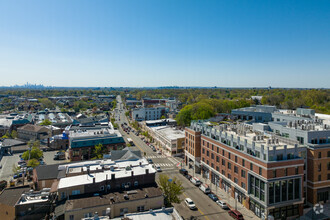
x,y
207,209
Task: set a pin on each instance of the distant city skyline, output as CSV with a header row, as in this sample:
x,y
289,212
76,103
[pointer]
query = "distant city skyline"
x,y
150,43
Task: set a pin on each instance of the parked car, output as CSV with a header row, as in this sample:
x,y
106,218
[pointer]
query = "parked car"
x,y
195,181
213,197
236,214
188,176
191,205
205,188
222,204
150,161
158,169
183,171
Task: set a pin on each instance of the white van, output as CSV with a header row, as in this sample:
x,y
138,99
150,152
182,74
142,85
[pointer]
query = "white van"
x,y
205,188
195,181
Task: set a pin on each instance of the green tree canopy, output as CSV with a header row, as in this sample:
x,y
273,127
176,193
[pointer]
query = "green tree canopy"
x,y
171,189
46,122
33,163
98,151
35,153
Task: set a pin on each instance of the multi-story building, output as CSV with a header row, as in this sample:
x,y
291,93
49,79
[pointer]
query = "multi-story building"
x,y
171,140
259,113
311,132
82,140
111,188
193,149
263,173
23,204
145,114
33,132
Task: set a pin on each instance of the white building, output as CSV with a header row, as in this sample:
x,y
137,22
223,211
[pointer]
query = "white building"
x,y
143,114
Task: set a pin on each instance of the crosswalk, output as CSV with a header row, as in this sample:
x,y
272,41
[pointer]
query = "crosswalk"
x,y
164,164
156,156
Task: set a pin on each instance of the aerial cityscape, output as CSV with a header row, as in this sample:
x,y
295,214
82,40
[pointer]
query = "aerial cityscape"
x,y
166,110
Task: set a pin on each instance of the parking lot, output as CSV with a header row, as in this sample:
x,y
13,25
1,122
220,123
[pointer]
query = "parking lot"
x,y
7,162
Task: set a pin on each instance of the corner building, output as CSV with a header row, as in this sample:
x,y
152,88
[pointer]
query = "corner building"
x,y
258,170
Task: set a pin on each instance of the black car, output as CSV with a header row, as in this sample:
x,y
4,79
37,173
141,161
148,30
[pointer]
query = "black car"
x,y
150,161
183,171
188,176
213,197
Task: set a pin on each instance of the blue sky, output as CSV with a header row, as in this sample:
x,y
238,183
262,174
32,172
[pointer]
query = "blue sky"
x,y
165,43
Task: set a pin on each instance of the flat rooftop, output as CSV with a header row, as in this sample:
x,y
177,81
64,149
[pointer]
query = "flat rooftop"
x,y
81,201
119,168
169,132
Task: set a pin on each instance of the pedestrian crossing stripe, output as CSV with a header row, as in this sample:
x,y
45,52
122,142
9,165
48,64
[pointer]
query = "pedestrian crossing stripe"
x,y
153,157
163,164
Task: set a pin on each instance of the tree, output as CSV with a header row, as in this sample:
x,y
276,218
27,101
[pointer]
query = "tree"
x,y
46,122
35,153
99,150
33,163
7,135
163,117
13,134
172,189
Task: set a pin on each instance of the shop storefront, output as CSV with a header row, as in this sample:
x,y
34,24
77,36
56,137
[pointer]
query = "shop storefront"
x,y
215,179
285,212
225,186
205,172
240,196
257,208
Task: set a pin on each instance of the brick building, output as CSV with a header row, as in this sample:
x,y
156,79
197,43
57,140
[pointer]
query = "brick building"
x,y
261,172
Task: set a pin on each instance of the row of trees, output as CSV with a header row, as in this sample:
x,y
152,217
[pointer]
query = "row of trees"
x,y
208,108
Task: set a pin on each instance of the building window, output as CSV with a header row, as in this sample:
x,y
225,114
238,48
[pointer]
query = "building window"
x,y
274,173
228,155
243,185
328,176
260,171
236,159
140,208
319,167
223,173
212,156
235,180
235,169
203,150
217,168
243,173
229,176
223,152
75,192
319,178
320,155
71,217
297,170
87,215
212,165
101,188
108,187
223,162
329,152
229,165
218,159
207,153
285,171
243,162
251,166
136,183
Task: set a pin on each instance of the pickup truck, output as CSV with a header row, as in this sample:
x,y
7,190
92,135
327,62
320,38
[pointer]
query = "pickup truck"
x,y
59,156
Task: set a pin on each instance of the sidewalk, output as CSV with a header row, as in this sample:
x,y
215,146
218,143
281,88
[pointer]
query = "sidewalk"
x,y
225,197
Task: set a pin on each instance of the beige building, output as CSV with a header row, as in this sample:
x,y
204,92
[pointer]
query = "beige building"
x,y
170,139
33,132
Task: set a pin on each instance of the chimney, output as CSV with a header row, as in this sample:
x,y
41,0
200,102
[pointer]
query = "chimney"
x,y
132,173
140,163
93,179
113,176
147,171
